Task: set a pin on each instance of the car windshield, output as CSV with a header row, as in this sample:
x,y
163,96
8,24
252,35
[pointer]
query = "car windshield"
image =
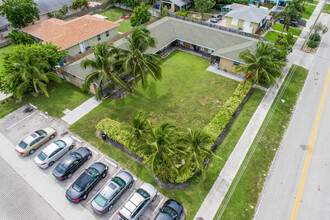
x,y
100,200
60,143
121,183
77,187
42,156
169,211
92,171
76,155
143,193
41,132
60,168
22,144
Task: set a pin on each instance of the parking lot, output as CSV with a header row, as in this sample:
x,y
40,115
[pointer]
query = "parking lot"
x,y
19,124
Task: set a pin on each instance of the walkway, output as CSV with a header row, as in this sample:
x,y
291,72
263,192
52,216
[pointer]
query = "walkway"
x,y
81,110
216,70
220,187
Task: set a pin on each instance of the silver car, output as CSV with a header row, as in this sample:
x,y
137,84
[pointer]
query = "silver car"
x,y
106,198
137,202
54,151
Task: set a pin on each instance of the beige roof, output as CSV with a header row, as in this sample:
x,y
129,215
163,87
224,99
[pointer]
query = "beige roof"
x,y
68,33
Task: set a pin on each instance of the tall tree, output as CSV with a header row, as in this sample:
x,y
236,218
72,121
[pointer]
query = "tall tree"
x,y
139,125
140,15
261,66
79,3
135,60
32,73
103,66
20,13
204,6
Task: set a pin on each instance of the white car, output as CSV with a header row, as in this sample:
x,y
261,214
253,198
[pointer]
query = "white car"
x,y
54,151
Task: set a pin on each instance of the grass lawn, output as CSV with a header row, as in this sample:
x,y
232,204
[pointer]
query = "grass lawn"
x,y
292,30
124,26
315,2
4,50
308,11
245,197
326,9
271,36
114,14
188,96
61,96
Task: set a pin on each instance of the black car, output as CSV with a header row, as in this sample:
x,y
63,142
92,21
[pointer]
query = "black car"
x,y
86,181
170,210
71,163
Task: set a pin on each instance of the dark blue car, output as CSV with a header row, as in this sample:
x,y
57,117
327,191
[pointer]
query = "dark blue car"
x,y
171,210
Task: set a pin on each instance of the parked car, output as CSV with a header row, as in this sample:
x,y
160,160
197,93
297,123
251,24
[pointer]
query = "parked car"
x,y
32,142
69,165
171,210
106,198
215,18
48,156
137,202
86,182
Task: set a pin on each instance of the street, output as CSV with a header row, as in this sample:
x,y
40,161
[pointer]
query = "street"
x,y
285,177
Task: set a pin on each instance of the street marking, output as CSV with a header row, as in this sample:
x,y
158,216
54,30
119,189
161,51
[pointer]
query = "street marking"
x,y
111,163
33,106
310,149
77,139
100,159
43,115
21,120
95,152
157,206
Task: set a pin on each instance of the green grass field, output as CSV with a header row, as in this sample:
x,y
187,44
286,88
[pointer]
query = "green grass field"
x,y
326,9
246,195
292,30
124,26
272,36
114,14
187,96
61,96
309,9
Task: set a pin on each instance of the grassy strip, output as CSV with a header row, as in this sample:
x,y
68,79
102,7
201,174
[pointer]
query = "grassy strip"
x,y
124,26
309,9
199,191
245,197
326,9
292,30
61,96
272,36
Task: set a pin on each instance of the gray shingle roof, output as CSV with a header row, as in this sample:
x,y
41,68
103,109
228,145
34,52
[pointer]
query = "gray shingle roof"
x,y
249,13
180,2
166,30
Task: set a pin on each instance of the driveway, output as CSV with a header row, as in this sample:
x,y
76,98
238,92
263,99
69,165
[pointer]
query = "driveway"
x,y
17,125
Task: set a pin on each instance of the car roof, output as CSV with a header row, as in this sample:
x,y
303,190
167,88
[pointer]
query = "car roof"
x,y
109,190
68,160
125,176
83,179
175,205
132,204
148,188
29,139
50,149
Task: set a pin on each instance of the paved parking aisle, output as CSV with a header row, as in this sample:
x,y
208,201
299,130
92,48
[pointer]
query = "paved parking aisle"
x,y
19,124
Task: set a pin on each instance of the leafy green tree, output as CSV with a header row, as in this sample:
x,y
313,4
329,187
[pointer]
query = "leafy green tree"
x,y
31,74
131,3
261,66
320,28
196,141
104,72
204,6
136,61
140,15
140,125
79,3
164,12
17,37
20,13
49,53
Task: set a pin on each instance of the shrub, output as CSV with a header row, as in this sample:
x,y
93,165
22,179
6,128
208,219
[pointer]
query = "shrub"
x,y
315,37
312,44
79,3
17,37
182,13
164,12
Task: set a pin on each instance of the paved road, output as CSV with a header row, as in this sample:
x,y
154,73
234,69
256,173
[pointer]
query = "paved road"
x,y
278,198
19,200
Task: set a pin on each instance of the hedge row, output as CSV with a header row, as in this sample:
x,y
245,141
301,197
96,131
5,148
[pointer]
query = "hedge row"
x,y
219,122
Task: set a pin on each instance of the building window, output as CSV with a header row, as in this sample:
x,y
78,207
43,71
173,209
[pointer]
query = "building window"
x,y
236,63
98,37
107,34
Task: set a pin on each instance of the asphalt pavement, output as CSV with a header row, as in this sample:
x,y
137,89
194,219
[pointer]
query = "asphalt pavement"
x,y
285,178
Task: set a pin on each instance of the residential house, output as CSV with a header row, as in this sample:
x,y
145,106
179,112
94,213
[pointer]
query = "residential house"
x,y
247,18
219,46
75,36
177,5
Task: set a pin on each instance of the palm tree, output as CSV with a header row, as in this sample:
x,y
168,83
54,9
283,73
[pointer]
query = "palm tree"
x,y
160,141
134,59
139,126
292,11
104,72
261,66
31,74
197,139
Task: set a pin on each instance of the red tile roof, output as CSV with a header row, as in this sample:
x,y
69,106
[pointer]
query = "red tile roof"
x,y
68,33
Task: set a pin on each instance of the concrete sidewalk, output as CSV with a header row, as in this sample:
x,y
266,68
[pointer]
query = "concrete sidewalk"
x,y
220,187
81,110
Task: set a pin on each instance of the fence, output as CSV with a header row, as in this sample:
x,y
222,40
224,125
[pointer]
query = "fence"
x,y
217,26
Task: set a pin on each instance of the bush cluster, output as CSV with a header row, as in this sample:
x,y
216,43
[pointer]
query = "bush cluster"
x,y
312,44
315,37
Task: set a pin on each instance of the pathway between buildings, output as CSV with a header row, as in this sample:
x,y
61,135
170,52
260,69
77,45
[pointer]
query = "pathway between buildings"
x,y
81,110
220,187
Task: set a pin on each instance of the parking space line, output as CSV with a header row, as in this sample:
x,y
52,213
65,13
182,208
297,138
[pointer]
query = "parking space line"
x,y
77,139
21,120
158,206
111,163
43,115
33,106
95,152
100,159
